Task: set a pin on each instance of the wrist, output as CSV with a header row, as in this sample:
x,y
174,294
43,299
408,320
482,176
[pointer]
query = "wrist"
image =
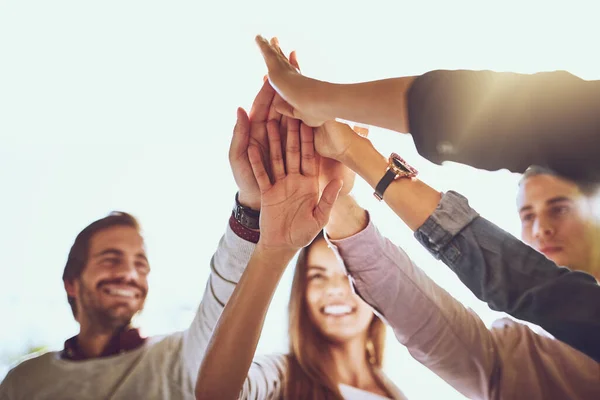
x,y
249,201
364,159
347,219
342,206
357,145
275,254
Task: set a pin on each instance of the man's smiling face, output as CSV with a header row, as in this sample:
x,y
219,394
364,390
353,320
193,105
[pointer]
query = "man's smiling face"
x,y
113,285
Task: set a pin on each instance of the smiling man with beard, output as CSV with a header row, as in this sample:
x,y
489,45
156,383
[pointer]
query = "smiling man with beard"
x,y
106,281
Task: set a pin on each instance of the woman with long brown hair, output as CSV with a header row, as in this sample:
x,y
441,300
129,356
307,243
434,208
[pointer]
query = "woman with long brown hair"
x,y
336,341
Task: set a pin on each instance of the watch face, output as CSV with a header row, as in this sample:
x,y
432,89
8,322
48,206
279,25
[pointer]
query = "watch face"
x,y
401,167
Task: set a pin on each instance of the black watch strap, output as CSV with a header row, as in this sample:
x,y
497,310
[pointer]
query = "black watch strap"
x,y
245,215
383,184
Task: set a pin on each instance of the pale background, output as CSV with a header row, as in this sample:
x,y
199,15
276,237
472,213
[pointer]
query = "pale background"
x,y
123,105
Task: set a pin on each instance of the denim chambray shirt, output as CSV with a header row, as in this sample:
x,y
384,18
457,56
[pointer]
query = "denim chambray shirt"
x,y
512,277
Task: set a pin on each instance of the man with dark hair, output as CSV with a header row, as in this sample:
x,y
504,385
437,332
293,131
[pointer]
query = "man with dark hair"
x,y
560,219
106,283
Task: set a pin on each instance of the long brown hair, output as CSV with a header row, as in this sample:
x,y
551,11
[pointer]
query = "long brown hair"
x,y
311,373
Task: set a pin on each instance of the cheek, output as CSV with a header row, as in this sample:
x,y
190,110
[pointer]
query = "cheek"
x,y
572,231
526,235
313,299
365,311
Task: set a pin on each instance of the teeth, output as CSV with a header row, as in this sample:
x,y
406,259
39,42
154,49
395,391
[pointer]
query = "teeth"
x,y
338,309
120,292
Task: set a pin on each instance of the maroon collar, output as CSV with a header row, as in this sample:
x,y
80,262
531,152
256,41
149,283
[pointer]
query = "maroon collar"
x,y
125,340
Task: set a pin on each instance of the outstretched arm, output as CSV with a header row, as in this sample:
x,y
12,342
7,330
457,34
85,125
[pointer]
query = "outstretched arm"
x,y
438,330
292,214
498,268
237,244
490,120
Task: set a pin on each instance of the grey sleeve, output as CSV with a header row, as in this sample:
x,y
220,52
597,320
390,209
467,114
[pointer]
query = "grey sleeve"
x,y
227,266
266,378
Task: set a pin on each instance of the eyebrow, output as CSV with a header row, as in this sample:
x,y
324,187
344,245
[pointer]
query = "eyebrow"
x,y
553,200
117,252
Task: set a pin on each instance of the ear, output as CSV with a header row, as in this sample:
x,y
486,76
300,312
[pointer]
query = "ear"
x,y
70,287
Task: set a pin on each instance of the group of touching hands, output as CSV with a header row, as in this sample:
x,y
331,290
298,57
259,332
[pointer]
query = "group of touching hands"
x,y
287,160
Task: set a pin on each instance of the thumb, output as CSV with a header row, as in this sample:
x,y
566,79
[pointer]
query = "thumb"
x,y
284,108
328,198
241,135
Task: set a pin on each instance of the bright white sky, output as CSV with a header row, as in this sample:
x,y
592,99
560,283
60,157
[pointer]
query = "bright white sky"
x,y
129,105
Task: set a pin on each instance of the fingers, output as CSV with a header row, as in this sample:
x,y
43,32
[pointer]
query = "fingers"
x,y
328,198
258,168
268,52
275,45
283,132
292,147
294,60
361,130
283,107
277,167
308,163
262,103
274,114
241,136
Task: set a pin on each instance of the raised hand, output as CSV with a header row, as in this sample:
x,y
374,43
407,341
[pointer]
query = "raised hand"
x,y
251,130
332,140
292,212
299,92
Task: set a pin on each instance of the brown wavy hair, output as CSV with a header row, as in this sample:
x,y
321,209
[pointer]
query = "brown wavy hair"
x,y
311,373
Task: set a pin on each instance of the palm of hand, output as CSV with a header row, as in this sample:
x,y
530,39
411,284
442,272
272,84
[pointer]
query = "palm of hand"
x,y
331,169
294,192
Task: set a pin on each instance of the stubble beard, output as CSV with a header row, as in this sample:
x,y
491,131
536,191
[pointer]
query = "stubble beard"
x,y
102,319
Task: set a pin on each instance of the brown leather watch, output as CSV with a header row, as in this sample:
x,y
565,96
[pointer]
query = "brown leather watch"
x,y
246,216
397,168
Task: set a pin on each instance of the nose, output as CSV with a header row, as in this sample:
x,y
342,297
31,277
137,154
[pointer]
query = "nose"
x,y
542,227
127,271
338,287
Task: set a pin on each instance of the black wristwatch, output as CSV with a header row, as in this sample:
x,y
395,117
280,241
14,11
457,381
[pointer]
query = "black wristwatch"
x,y
397,168
245,215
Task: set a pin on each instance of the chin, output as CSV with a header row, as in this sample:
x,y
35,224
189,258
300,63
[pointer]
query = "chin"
x,y
340,335
123,313
561,261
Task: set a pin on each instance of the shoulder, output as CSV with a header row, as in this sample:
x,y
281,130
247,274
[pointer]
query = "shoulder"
x,y
274,364
266,377
390,386
29,366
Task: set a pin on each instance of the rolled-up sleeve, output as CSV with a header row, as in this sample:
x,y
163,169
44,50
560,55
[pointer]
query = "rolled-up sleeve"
x,y
494,120
512,277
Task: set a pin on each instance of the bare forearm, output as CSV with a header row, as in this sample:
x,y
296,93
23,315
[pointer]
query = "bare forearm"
x,y
380,103
412,200
347,218
234,340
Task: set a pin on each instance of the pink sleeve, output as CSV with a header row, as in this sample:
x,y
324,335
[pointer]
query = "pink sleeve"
x,y
438,331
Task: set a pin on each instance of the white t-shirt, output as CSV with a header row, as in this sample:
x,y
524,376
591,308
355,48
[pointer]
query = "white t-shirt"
x,y
352,393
